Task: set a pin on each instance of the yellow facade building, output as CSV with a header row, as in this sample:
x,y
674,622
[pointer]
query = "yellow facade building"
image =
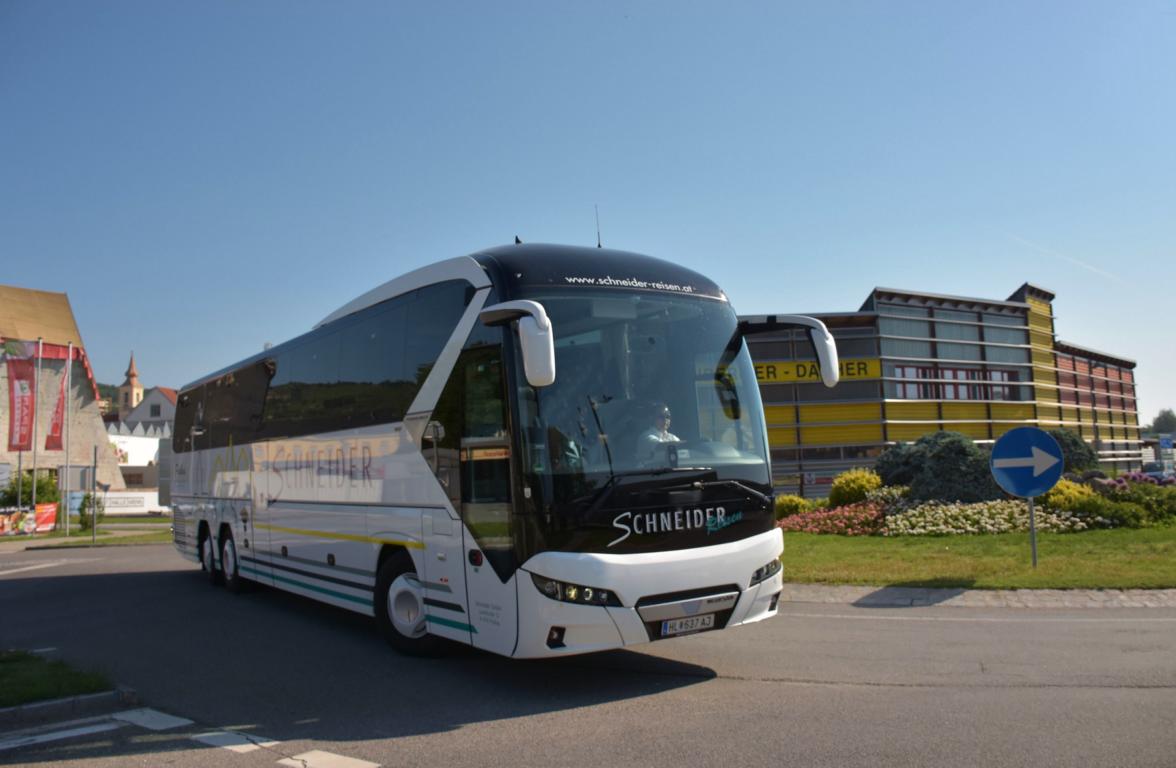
x,y
915,363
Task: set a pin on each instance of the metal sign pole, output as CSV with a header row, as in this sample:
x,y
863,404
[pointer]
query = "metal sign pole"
x,y
20,481
94,499
1032,532
36,397
68,391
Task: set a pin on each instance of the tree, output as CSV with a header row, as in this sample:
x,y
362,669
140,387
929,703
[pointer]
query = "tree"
x,y
47,492
1076,452
1165,422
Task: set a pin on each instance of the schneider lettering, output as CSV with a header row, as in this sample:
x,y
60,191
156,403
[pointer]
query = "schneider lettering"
x,y
642,523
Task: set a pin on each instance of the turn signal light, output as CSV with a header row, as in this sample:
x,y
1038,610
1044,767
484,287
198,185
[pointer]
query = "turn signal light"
x,y
765,572
574,593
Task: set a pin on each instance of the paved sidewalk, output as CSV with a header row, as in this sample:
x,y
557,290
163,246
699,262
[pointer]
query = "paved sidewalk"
x,y
894,597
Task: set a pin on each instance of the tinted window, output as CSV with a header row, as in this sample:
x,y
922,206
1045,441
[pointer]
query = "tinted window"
x,y
364,369
361,370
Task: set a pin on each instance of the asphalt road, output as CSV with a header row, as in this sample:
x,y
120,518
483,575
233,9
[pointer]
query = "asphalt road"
x,y
822,685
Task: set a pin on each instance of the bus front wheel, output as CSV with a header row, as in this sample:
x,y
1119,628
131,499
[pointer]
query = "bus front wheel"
x,y
400,607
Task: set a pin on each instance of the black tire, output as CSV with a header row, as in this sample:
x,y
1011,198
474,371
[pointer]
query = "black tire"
x,y
411,643
208,558
230,566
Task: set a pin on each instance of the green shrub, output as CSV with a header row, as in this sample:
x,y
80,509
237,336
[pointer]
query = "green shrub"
x,y
1105,513
852,486
952,468
788,505
1066,495
1158,502
898,464
815,504
1076,452
89,504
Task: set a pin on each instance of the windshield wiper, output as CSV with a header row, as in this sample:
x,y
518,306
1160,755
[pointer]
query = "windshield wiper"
x,y
603,492
700,484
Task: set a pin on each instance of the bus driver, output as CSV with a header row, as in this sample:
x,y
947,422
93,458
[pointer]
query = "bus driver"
x,y
649,444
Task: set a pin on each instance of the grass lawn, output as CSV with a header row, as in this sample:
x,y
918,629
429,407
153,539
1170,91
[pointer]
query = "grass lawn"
x,y
78,538
1114,559
105,538
164,520
26,678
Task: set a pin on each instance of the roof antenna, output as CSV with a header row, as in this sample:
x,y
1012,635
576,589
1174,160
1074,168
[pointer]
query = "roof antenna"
x,y
597,207
518,241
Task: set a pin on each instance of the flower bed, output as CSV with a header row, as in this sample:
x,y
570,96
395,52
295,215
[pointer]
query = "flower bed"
x,y
863,519
939,519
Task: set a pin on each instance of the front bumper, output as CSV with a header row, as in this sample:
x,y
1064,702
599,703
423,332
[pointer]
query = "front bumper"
x,y
651,587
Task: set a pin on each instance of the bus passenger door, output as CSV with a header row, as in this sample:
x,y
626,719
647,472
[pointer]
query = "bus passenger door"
x,y
489,561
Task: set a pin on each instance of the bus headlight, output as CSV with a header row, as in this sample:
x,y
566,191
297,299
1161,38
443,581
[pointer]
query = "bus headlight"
x,y
574,593
765,572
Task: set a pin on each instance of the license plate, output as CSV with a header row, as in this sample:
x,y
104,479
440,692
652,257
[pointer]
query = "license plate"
x,y
688,624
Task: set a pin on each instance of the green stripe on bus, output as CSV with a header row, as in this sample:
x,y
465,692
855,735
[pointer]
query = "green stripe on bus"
x,y
304,585
450,623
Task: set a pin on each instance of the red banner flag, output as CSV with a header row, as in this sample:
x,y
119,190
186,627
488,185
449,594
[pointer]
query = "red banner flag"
x,y
20,404
53,439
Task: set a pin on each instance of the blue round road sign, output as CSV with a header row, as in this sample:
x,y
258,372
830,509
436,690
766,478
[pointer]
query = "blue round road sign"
x,y
1026,462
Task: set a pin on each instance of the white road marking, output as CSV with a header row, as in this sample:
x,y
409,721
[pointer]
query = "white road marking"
x,y
151,719
316,758
43,650
69,733
983,619
49,564
234,742
36,567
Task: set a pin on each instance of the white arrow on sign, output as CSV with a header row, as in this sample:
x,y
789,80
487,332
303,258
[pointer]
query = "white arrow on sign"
x,y
1040,461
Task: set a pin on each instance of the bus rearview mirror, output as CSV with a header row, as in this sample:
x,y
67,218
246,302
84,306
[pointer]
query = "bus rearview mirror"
x,y
823,343
536,339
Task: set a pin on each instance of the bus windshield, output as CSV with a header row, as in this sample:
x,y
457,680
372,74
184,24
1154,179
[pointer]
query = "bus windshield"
x,y
646,384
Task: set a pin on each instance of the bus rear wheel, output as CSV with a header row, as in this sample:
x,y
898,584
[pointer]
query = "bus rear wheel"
x,y
208,558
399,604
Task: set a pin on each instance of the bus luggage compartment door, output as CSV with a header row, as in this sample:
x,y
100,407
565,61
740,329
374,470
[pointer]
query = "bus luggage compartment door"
x,y
444,577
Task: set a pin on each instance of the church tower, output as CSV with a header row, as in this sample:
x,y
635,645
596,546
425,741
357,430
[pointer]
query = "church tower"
x,y
130,393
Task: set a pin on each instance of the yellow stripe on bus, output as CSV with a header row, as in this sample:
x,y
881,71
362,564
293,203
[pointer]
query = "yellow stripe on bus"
x,y
340,536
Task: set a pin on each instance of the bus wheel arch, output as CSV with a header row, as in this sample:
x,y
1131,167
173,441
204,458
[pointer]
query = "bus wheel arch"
x,y
398,603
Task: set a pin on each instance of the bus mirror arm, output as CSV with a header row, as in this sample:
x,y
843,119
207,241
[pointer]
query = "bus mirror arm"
x,y
822,340
535,337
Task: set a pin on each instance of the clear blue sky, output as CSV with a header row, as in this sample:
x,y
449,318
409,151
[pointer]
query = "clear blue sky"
x,y
203,177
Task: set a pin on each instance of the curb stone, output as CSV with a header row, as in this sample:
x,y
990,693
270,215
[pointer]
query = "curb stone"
x,y
69,707
906,597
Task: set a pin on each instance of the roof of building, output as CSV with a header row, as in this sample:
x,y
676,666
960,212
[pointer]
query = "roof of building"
x,y
1093,354
1029,289
169,393
889,293
28,315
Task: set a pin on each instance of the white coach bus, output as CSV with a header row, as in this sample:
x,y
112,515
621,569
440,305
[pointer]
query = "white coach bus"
x,y
536,450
